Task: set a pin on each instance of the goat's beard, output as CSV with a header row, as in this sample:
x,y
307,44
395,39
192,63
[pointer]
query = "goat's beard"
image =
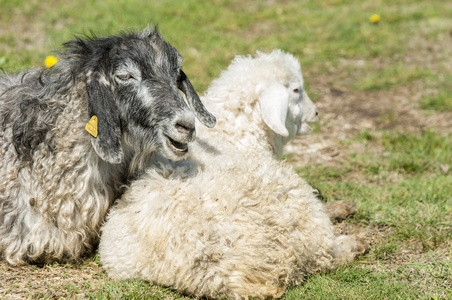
x,y
140,153
142,159
139,163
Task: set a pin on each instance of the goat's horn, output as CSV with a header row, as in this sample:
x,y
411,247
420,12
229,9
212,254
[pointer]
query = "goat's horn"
x,y
199,110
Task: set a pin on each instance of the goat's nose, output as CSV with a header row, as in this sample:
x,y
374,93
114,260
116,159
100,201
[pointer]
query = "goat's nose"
x,y
316,117
186,129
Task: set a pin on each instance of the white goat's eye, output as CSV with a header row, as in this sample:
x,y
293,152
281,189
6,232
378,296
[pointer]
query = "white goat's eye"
x,y
296,90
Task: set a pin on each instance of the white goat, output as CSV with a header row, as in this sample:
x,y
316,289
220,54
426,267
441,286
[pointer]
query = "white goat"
x,y
57,181
232,220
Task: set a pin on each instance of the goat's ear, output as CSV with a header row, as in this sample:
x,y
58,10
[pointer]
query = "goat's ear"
x,y
199,110
274,101
107,143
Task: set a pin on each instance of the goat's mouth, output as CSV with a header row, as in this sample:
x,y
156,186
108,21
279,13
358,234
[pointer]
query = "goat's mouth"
x,y
304,129
177,147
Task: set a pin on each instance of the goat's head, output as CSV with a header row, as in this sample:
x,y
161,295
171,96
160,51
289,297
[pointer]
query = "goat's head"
x,y
285,106
133,82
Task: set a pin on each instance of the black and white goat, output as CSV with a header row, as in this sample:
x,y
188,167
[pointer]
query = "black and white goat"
x,y
57,180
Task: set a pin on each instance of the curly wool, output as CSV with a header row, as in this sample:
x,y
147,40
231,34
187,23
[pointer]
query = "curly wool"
x,y
237,229
232,221
52,206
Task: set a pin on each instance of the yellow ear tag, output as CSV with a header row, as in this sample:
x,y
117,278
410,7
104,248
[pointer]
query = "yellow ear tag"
x,y
91,126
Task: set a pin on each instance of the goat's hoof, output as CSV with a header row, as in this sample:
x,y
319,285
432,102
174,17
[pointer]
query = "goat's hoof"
x,y
339,210
362,247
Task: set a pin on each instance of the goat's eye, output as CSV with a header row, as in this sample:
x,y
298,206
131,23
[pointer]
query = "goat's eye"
x,y
124,77
296,90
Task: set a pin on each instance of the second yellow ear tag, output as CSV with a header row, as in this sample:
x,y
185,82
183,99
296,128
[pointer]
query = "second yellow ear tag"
x,y
91,126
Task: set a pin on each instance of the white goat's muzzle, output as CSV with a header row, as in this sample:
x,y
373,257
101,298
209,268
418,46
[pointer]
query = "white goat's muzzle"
x,y
304,129
310,115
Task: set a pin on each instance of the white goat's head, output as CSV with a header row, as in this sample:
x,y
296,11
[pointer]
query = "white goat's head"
x,y
133,82
285,106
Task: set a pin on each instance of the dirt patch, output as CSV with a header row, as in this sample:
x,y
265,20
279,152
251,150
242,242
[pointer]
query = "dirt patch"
x,y
31,35
51,281
344,111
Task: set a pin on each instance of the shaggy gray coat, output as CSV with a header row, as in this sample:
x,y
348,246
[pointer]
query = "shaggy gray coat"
x,y
57,181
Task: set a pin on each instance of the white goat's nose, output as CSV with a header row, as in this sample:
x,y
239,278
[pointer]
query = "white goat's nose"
x,y
315,118
310,109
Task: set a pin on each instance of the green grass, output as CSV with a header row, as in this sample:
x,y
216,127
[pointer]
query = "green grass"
x,y
401,188
417,207
391,77
359,282
132,289
210,33
442,99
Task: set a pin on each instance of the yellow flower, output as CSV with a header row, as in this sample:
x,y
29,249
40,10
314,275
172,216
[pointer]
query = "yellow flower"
x,y
375,18
50,61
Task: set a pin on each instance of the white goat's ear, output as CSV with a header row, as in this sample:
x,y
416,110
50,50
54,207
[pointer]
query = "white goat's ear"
x,y
274,101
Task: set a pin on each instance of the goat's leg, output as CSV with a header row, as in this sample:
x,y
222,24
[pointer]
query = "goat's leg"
x,y
347,248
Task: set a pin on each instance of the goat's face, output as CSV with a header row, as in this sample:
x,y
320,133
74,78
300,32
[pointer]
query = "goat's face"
x,y
133,88
152,110
285,106
301,110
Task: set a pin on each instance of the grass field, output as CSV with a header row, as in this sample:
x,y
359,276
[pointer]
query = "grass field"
x,y
384,91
